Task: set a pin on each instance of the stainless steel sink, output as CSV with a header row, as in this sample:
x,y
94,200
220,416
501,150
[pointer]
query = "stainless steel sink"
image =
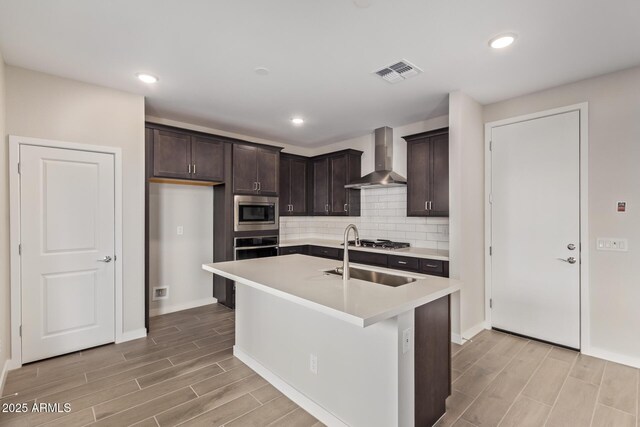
x,y
374,276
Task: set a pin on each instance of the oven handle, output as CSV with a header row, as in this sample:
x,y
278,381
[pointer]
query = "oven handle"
x,y
255,247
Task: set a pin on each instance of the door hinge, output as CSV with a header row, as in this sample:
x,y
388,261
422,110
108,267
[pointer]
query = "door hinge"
x,y
490,145
18,168
490,198
490,250
19,248
20,331
490,302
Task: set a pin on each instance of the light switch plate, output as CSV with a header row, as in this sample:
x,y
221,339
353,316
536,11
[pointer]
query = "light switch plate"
x,y
612,244
406,340
180,230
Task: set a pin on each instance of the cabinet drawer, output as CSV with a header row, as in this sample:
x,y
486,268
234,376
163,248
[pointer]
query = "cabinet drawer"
x,y
368,258
404,263
287,250
431,266
323,252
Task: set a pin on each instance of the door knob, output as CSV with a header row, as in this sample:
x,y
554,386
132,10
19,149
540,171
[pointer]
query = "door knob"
x,y
570,260
571,246
105,259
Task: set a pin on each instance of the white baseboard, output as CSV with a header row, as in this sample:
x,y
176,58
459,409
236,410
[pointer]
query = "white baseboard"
x,y
473,331
132,335
3,375
179,307
303,401
613,357
456,338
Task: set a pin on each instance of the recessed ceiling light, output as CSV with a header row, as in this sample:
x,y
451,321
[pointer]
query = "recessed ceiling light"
x,y
147,78
262,71
297,120
502,41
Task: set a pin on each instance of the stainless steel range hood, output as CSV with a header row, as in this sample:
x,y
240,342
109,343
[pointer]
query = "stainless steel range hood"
x,y
383,176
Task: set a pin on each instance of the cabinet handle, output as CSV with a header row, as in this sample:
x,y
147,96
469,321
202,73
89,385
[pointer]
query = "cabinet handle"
x,y
290,208
426,205
189,168
259,185
255,186
430,205
345,207
326,208
194,168
432,266
402,262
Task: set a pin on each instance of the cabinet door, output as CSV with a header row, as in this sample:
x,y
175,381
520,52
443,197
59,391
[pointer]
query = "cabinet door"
x,y
338,179
268,172
298,186
245,165
285,186
171,154
439,192
418,177
321,187
207,157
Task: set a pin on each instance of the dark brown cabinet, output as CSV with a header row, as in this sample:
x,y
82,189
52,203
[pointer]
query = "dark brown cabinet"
x,y
330,173
255,170
183,156
207,156
428,173
293,185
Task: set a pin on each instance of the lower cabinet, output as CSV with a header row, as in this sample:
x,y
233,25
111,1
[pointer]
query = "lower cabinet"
x,y
396,262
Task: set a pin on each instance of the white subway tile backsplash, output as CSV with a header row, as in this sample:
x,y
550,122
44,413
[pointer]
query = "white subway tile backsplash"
x,y
383,216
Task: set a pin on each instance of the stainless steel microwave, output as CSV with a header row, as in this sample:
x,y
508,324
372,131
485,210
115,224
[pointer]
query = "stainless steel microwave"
x,y
252,213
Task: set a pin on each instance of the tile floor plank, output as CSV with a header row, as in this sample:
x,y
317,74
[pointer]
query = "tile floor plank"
x,y
526,412
619,387
265,414
610,417
224,413
575,404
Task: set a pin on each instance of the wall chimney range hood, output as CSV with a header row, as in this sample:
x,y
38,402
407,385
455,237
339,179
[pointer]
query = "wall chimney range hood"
x,y
383,176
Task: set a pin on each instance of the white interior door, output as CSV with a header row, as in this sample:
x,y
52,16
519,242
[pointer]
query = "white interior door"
x,y
535,223
67,233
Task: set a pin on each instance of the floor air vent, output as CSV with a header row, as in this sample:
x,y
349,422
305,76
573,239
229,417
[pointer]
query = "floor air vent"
x,y
399,71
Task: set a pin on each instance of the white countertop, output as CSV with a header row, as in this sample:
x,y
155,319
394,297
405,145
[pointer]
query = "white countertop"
x,y
301,279
441,255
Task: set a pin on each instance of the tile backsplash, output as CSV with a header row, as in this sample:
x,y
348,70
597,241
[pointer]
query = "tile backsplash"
x,y
383,216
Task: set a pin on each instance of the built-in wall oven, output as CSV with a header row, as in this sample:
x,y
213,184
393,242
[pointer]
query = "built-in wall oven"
x,y
255,213
255,247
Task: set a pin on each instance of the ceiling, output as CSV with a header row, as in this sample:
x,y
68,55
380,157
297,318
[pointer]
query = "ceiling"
x,y
320,54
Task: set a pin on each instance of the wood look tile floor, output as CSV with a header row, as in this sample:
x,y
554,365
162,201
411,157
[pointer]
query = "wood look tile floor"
x,y
182,373
503,380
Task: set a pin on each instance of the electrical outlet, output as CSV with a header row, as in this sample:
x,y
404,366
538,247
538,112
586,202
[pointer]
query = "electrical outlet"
x,y
180,230
160,293
612,244
406,340
313,364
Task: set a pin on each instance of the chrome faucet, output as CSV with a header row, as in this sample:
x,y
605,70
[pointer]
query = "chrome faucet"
x,y
345,260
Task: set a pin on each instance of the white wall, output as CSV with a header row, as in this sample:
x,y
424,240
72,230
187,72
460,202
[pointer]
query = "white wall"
x,y
614,156
5,285
44,106
466,206
176,260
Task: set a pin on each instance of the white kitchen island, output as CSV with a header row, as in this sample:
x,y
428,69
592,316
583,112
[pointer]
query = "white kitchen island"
x,y
351,353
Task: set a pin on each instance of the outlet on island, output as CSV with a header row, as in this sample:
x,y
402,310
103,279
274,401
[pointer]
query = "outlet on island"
x,y
313,364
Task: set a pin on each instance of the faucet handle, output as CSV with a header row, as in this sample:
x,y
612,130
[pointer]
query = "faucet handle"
x,y
358,241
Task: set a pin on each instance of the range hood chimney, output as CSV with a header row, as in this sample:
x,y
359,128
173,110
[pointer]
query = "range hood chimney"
x,y
383,176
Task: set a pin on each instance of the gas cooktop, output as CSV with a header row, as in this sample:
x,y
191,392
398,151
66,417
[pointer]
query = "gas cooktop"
x,y
380,243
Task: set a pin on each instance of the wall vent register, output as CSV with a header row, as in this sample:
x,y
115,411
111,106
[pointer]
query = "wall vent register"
x,y
398,71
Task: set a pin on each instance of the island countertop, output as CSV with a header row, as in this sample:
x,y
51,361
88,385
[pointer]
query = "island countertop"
x,y
302,279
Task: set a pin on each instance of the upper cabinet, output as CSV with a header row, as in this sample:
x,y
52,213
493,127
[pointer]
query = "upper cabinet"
x,y
255,170
293,185
330,173
428,173
184,156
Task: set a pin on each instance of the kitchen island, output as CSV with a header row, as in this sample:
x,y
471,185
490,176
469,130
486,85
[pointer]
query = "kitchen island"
x,y
351,353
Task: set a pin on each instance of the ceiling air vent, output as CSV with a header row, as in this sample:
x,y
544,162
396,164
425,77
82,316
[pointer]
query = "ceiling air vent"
x,y
399,71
